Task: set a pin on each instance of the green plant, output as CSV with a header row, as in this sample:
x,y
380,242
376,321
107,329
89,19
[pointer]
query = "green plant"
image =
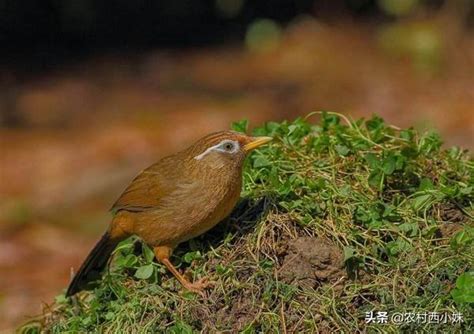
x,y
379,217
464,291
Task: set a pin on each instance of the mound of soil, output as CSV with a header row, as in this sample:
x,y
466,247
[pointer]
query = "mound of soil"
x,y
451,213
453,220
312,261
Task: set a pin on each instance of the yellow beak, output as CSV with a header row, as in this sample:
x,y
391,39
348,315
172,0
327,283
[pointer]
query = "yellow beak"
x,y
256,142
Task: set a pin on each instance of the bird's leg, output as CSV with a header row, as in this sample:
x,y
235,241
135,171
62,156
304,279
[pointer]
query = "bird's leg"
x,y
163,254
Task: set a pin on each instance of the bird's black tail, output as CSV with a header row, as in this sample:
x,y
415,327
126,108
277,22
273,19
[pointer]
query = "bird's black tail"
x,y
93,265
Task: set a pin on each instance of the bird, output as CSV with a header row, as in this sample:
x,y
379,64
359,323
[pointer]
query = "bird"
x,y
174,200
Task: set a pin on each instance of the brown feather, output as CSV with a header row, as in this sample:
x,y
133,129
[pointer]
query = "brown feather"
x,y
179,197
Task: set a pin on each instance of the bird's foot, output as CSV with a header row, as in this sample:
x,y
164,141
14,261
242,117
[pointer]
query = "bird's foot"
x,y
198,286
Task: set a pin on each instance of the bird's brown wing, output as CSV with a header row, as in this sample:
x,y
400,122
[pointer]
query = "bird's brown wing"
x,y
149,187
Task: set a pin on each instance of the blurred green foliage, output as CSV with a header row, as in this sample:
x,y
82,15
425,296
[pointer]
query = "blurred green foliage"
x,y
398,7
262,35
420,42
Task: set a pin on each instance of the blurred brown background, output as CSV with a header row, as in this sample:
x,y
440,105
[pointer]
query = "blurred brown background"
x,y
91,94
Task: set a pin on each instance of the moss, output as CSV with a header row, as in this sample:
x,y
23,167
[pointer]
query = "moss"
x,y
337,219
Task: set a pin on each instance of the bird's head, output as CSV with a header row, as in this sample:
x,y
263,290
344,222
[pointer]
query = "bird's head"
x,y
225,149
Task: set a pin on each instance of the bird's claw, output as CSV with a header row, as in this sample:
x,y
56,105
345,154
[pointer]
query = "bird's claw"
x,y
198,286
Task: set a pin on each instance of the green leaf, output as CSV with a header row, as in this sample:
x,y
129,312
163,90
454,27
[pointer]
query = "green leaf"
x,y
376,128
375,123
465,190
372,160
261,161
249,329
430,142
128,261
144,272
342,150
240,126
180,327
222,270
61,299
329,120
462,238
421,202
454,152
110,315
148,253
272,128
401,162
191,256
345,190
189,295
266,264
410,229
409,152
407,134
398,246
464,291
389,164
349,253
292,128
87,321
375,179
425,184
126,246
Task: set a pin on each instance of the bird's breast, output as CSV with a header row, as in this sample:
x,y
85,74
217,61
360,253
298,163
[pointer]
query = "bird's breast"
x,y
209,206
191,209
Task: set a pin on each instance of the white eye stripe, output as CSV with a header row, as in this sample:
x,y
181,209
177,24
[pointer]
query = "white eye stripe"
x,y
203,154
220,147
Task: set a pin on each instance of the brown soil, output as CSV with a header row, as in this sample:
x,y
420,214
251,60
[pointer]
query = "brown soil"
x,y
447,230
312,261
453,220
449,212
242,312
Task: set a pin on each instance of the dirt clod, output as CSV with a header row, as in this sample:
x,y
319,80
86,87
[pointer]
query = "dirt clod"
x,y
451,213
447,230
311,261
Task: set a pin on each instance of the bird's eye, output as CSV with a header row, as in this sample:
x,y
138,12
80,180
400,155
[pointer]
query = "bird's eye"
x,y
228,147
